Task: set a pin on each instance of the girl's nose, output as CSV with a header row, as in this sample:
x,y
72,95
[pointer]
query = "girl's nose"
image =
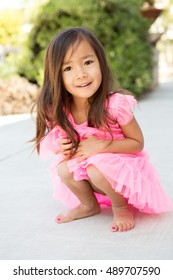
x,y
81,73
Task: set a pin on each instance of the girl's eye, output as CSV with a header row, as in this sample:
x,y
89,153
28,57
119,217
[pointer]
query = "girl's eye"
x,y
68,68
88,62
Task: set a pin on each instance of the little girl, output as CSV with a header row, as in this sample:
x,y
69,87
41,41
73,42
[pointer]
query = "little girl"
x,y
96,140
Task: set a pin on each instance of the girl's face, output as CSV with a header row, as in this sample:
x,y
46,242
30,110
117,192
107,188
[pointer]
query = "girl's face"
x,y
81,72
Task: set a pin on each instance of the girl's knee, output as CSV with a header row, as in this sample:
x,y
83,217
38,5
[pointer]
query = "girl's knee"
x,y
90,170
93,173
63,171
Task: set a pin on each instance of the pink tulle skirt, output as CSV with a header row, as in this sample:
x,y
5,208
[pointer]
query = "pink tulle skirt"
x,y
131,175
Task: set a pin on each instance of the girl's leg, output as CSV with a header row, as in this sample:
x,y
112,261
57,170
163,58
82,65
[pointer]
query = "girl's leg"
x,y
123,218
82,189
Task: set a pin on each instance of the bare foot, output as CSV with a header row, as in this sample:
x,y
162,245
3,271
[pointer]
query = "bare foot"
x,y
81,211
123,219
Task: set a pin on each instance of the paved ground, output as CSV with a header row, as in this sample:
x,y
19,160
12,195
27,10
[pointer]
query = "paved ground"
x,y
28,230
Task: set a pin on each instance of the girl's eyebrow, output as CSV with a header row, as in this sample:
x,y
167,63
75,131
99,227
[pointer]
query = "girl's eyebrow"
x,y
83,57
87,56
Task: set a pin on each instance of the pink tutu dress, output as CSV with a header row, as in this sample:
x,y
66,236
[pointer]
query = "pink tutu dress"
x,y
131,175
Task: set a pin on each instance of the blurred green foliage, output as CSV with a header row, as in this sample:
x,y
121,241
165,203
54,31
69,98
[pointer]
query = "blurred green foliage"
x,y
11,22
10,27
117,23
8,68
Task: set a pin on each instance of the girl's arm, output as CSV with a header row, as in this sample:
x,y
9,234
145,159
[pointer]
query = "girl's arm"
x,y
133,142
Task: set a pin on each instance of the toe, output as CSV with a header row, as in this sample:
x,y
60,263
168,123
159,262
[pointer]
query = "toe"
x,y
114,228
120,227
129,226
58,219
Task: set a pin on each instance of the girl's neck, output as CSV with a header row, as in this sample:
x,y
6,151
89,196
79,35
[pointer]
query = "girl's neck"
x,y
79,105
79,111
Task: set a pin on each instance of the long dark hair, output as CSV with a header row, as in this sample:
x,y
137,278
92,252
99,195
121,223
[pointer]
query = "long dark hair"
x,y
53,103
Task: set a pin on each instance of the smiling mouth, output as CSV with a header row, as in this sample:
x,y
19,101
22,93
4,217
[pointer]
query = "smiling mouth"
x,y
84,85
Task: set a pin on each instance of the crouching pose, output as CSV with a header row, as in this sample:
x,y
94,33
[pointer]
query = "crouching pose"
x,y
90,128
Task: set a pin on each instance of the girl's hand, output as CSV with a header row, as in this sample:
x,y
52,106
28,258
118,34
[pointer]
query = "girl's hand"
x,y
65,147
88,147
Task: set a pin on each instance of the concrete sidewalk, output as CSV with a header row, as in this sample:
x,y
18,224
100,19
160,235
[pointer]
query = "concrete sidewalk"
x,y
28,230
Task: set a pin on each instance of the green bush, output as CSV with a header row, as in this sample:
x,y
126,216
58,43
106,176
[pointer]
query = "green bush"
x,y
10,27
117,23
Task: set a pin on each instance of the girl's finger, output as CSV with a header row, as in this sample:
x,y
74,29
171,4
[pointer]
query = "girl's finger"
x,y
66,147
65,141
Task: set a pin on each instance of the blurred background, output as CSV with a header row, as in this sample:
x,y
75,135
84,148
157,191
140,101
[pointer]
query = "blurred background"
x,y
137,36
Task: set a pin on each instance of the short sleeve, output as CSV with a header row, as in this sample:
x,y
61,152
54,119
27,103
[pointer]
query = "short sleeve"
x,y
50,143
122,107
